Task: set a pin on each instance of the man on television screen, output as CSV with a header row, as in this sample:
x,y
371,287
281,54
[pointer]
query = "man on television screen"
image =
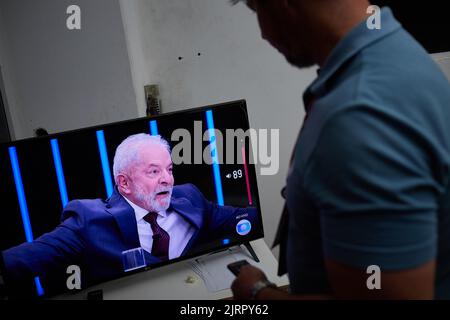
x,y
146,215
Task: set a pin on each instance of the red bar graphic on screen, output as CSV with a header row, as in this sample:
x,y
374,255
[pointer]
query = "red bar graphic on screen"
x,y
247,180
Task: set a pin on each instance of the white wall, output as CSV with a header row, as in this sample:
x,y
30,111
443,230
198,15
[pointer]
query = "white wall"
x,y
443,60
9,92
62,79
235,63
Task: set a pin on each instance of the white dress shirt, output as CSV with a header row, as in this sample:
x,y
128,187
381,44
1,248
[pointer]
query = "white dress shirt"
x,y
179,230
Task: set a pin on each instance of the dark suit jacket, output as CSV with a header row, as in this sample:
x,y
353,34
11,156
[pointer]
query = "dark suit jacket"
x,y
94,233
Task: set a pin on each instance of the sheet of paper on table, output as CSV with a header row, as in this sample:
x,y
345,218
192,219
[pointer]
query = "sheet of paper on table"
x,y
212,269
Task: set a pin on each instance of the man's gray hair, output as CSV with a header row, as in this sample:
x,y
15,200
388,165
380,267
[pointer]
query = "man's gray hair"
x,y
127,153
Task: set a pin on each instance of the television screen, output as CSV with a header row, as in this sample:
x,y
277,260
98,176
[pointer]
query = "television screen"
x,y
122,198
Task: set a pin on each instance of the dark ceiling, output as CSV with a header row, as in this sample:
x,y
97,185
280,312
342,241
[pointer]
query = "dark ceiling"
x,y
428,21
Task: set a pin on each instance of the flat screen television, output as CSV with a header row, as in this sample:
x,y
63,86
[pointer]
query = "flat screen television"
x,y
180,185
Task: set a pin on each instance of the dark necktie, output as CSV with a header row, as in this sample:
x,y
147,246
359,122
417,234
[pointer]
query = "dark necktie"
x,y
161,238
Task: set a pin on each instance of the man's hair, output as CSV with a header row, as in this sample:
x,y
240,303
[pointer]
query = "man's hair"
x,y
127,153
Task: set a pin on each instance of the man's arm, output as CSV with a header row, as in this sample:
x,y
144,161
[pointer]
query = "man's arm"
x,y
249,275
49,252
224,217
349,283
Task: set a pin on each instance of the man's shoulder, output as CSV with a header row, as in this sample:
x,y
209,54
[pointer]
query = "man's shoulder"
x,y
189,191
88,208
401,83
400,67
183,189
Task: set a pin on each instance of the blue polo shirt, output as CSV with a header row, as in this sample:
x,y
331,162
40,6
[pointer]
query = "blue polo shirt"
x,y
369,184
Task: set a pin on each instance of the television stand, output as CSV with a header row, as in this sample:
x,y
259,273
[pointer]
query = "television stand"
x,y
247,245
251,251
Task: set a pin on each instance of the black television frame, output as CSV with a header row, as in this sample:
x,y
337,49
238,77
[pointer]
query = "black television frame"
x,y
251,168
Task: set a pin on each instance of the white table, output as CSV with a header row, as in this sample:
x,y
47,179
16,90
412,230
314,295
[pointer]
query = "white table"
x,y
169,282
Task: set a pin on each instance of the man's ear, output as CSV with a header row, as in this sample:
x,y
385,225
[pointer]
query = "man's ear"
x,y
123,184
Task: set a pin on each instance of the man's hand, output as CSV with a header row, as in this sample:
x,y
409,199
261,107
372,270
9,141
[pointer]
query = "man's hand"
x,y
242,285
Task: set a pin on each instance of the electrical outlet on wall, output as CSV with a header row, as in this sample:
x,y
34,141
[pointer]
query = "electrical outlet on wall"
x,y
152,99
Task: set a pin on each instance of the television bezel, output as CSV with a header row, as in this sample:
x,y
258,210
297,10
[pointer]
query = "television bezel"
x,y
251,168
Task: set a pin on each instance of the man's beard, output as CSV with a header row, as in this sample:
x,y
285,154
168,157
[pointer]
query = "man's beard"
x,y
150,201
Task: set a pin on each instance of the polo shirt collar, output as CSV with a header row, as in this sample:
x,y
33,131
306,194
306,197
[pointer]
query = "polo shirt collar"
x,y
356,40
